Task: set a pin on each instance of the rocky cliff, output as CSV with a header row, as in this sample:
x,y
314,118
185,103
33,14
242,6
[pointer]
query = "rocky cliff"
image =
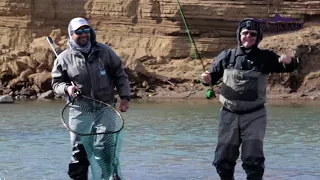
x,y
150,37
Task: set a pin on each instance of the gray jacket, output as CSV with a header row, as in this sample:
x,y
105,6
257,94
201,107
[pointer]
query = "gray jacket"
x,y
96,76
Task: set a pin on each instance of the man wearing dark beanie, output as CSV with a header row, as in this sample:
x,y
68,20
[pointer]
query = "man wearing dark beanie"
x,y
243,115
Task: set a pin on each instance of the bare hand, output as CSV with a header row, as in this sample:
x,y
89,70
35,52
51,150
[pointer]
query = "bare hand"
x,y
286,58
124,105
206,77
71,89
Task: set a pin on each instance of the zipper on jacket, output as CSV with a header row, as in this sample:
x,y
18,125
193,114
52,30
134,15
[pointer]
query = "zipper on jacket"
x,y
87,70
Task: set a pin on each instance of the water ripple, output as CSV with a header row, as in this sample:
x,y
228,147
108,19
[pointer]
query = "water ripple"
x,y
162,141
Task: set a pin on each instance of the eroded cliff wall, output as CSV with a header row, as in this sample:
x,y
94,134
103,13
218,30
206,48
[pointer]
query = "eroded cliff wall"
x,y
147,33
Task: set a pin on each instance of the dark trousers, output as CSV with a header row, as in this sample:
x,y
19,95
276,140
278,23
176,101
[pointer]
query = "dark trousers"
x,y
236,129
79,165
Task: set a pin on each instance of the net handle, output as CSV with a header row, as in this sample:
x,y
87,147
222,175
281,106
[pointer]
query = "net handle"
x,y
91,99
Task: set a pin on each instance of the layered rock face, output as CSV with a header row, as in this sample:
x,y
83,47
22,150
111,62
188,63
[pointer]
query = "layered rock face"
x,y
149,35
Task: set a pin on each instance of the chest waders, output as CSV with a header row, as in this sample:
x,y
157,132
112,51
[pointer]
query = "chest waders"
x,y
242,121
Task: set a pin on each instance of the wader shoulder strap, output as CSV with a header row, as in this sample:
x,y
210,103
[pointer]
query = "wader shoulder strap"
x,y
232,59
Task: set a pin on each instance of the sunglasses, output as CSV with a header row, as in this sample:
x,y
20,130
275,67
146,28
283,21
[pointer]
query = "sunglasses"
x,y
252,34
80,31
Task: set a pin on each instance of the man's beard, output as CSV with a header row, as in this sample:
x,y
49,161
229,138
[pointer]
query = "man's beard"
x,y
83,41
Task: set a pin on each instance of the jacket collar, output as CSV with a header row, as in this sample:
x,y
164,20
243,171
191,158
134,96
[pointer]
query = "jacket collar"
x,y
94,48
241,51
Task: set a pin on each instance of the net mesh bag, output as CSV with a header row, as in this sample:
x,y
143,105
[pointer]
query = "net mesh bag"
x,y
99,126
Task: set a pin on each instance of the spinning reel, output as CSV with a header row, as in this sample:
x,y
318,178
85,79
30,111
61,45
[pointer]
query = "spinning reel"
x,y
210,94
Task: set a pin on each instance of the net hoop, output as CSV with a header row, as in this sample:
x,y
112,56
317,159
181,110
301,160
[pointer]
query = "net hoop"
x,y
94,100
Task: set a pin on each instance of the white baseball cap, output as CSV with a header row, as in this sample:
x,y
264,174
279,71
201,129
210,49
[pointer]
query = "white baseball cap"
x,y
76,23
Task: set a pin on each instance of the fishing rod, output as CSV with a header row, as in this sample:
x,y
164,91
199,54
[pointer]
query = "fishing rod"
x,y
197,56
209,93
50,41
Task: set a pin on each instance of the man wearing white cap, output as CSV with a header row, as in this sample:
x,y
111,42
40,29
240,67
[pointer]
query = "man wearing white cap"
x,y
95,70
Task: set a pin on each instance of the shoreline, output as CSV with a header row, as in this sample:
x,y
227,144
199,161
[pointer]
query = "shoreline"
x,y
201,95
196,96
272,98
172,101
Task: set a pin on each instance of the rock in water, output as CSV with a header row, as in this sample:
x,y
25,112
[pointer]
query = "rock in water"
x,y
6,99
